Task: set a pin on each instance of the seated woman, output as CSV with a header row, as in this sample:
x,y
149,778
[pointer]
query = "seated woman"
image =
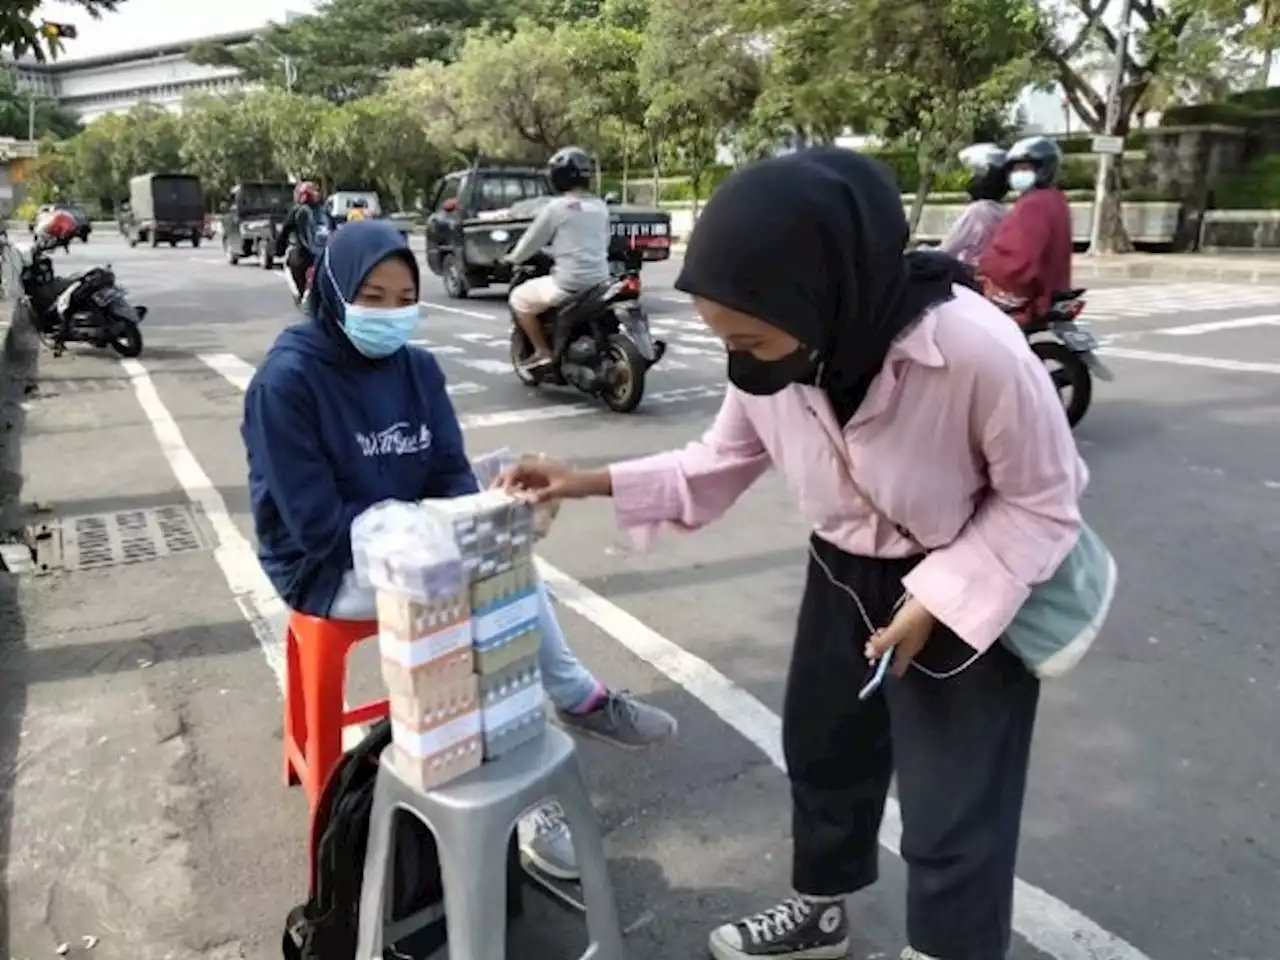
x,y
343,414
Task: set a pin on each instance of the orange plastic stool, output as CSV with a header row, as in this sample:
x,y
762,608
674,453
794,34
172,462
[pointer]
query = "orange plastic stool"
x,y
314,712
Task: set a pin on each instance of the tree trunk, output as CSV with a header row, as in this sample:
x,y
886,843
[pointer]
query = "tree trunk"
x,y
626,164
923,185
654,153
1114,238
1264,72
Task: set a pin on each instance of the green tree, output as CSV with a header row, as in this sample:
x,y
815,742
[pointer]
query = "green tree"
x,y
515,92
608,108
1178,49
699,79
49,176
347,48
227,140
931,75
20,32
51,120
92,161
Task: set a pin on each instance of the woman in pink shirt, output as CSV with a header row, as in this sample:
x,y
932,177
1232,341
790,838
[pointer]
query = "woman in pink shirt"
x,y
926,446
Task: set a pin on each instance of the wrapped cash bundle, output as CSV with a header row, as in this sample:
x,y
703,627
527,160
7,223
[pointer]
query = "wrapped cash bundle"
x,y
424,638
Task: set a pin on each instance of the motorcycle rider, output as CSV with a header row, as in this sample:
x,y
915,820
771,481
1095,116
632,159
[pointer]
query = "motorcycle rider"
x,y
1029,258
575,224
309,226
976,225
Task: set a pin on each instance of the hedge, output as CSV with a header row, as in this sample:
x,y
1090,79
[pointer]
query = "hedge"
x,y
1256,187
1197,114
1267,98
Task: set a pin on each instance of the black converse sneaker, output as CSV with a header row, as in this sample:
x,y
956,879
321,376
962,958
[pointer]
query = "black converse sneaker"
x,y
799,928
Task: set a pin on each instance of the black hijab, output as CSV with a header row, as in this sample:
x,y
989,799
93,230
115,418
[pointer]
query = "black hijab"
x,y
814,243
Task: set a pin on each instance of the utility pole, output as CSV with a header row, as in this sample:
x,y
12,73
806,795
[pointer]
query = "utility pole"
x,y
1110,121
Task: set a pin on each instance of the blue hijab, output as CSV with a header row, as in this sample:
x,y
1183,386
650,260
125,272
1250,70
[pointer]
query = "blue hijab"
x,y
354,249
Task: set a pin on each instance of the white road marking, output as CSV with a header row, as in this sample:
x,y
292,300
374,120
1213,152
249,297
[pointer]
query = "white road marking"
x,y
464,313
1216,326
236,371
253,593
496,367
1045,922
231,367
1186,360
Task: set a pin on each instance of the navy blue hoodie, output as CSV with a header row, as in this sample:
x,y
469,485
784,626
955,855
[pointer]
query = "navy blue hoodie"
x,y
330,432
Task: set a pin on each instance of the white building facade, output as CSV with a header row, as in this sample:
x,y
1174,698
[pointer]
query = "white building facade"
x,y
96,86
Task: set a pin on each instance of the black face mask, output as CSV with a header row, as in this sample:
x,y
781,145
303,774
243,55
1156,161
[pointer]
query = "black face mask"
x,y
763,378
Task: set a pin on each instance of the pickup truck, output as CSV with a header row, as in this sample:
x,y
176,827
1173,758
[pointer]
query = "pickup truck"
x,y
252,221
476,215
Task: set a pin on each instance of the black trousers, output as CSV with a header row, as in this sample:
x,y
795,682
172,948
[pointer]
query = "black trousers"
x,y
298,261
960,747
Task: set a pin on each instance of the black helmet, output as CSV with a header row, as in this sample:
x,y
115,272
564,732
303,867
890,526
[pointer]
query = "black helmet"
x,y
1043,155
986,161
569,168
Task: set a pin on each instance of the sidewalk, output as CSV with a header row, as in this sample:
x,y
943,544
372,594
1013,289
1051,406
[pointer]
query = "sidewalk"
x,y
117,839
1232,268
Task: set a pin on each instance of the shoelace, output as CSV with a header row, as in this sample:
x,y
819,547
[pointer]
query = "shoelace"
x,y
778,921
619,702
549,818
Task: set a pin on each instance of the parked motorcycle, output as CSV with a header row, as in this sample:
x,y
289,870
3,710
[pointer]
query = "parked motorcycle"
x,y
85,308
601,341
1068,352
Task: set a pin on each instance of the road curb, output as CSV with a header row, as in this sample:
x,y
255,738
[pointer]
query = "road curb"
x,y
18,362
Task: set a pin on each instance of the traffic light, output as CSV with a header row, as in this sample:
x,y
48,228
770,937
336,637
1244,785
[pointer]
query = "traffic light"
x,y
58,31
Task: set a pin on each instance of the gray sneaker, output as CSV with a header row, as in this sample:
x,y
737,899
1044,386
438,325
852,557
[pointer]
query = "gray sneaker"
x,y
622,720
545,840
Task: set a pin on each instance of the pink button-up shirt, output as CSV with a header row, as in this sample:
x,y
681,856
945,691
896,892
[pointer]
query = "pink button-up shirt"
x,y
961,441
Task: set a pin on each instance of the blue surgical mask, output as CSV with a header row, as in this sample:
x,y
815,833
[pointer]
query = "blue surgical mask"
x,y
378,332
1020,181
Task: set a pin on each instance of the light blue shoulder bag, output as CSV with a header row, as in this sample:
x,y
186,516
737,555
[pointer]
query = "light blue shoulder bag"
x,y
1059,621
1061,618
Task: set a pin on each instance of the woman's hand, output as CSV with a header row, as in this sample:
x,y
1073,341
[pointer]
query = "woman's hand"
x,y
545,481
906,636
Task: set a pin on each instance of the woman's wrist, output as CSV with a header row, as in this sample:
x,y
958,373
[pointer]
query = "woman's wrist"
x,y
595,483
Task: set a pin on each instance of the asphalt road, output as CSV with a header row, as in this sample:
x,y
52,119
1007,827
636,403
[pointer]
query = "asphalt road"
x,y
1151,830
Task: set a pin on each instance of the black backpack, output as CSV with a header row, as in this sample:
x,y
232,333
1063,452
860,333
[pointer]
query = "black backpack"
x,y
325,926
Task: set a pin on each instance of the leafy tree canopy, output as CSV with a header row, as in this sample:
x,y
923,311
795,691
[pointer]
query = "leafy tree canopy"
x,y
20,32
51,120
347,48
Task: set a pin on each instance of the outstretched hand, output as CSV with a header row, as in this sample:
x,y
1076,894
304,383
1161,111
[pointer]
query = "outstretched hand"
x,y
546,481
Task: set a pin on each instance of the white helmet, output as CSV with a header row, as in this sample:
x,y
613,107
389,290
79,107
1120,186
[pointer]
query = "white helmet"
x,y
978,158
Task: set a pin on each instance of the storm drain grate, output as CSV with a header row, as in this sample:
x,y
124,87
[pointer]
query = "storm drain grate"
x,y
98,540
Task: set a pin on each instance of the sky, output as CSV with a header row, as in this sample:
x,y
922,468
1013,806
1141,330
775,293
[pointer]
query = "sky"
x,y
145,23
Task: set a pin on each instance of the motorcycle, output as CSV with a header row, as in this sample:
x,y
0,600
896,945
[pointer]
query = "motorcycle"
x,y
601,341
90,307
1069,352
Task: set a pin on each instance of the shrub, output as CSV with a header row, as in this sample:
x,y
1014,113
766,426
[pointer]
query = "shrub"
x,y
1197,114
1256,187
1265,99
26,210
